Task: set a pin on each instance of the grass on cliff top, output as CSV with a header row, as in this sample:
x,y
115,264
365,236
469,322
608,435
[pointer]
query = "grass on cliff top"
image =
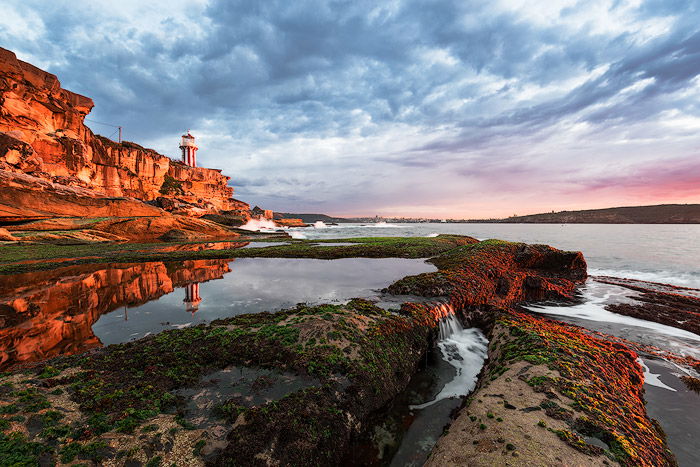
x,y
25,258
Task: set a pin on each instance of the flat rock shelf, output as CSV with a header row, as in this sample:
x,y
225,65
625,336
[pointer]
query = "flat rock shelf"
x,y
294,359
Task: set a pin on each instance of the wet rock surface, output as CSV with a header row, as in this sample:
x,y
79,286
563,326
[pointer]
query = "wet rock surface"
x,y
121,403
674,306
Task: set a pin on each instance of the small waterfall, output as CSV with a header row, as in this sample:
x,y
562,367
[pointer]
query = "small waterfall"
x,y
464,349
449,325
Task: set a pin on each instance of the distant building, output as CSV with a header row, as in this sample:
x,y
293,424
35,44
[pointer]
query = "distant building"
x,y
189,150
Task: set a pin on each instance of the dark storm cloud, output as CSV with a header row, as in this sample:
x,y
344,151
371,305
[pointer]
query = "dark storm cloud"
x,y
472,82
322,59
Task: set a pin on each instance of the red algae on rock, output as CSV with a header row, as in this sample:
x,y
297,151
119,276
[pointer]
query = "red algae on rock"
x,y
497,273
575,384
603,379
550,382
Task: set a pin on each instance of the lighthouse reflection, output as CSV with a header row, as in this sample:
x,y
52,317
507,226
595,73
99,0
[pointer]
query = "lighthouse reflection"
x,y
71,309
192,298
48,313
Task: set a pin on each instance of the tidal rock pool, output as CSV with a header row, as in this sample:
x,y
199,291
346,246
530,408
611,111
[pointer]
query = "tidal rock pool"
x,y
71,309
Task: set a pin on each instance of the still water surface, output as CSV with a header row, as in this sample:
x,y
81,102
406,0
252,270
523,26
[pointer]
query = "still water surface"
x,y
63,311
260,284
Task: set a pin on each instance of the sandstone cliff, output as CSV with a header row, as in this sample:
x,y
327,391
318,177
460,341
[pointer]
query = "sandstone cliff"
x,y
43,134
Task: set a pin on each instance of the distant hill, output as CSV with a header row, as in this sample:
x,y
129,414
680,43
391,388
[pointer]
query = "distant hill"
x,y
309,218
657,214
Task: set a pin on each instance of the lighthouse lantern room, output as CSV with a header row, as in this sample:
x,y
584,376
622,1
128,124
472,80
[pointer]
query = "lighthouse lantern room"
x,y
189,150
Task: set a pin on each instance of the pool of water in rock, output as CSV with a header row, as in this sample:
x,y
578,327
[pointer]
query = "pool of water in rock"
x,y
48,313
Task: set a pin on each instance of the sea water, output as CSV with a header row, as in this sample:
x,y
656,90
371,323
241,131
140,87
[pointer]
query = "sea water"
x,y
668,253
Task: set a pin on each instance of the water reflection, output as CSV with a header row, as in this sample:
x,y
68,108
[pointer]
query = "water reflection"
x,y
192,298
48,313
71,309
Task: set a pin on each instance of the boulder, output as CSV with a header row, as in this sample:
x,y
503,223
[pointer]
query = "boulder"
x,y
6,236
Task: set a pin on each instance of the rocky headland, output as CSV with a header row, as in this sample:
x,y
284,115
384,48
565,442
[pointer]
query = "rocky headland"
x,y
655,214
89,225
53,166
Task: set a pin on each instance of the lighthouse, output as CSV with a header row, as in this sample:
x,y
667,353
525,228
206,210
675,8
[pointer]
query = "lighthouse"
x,y
189,150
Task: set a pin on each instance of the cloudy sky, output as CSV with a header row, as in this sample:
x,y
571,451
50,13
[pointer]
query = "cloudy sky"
x,y
446,108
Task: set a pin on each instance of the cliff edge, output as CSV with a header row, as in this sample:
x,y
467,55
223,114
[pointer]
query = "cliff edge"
x,y
43,135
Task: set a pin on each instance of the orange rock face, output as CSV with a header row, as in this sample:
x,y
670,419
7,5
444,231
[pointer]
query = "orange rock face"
x,y
24,196
291,222
42,133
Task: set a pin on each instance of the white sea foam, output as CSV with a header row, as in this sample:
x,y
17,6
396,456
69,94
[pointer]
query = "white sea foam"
x,y
297,235
466,351
651,378
259,225
320,225
431,235
683,279
592,309
384,225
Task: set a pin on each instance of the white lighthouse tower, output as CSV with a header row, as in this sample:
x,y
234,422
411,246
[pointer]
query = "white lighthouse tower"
x,y
189,150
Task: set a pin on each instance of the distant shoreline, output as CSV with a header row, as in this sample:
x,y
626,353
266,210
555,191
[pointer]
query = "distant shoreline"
x,y
655,214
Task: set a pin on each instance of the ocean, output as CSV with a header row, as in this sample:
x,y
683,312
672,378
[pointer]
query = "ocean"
x,y
668,253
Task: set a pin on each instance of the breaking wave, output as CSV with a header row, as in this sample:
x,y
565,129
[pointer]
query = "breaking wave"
x,y
260,225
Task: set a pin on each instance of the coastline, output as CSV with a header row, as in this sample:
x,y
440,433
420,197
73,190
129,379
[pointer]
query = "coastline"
x,y
479,281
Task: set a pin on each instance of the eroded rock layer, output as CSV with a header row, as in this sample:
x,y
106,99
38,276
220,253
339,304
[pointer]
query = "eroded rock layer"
x,y
43,134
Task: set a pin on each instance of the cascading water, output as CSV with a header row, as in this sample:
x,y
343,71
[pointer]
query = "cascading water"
x,y
448,326
407,431
466,351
